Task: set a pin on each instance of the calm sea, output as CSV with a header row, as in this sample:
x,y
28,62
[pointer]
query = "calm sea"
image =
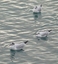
x,y
18,24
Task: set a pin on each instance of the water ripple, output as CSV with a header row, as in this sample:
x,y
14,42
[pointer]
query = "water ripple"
x,y
18,24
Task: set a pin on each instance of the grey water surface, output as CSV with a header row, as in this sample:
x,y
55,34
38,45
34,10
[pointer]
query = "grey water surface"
x,y
18,24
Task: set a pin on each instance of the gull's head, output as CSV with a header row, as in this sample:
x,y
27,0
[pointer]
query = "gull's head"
x,y
41,5
12,43
36,7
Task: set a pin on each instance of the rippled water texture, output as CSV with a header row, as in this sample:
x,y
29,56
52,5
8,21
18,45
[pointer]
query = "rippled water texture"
x,y
18,24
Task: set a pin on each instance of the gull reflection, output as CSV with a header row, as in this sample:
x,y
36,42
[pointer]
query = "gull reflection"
x,y
13,52
37,15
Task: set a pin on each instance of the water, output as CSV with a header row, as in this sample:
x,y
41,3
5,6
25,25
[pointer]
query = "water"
x,y
18,24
